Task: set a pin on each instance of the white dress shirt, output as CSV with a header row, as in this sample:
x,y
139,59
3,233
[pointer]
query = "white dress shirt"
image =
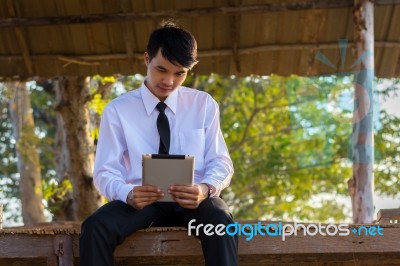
x,y
128,129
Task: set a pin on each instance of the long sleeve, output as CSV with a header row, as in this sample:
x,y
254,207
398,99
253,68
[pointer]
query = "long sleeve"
x,y
218,164
112,160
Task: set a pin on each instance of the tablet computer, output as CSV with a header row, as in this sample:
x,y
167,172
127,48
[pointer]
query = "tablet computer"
x,y
164,170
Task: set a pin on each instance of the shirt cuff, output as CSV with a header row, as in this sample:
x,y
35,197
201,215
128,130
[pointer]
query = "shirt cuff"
x,y
215,184
123,193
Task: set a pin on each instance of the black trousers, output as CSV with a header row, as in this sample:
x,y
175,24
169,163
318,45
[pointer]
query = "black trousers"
x,y
112,223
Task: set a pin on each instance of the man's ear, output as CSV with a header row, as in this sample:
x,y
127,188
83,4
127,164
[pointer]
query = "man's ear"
x,y
146,58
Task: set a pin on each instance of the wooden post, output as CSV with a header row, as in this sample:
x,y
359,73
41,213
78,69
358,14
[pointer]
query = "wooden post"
x,y
361,184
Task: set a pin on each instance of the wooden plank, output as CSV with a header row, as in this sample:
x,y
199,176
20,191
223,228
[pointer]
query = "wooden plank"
x,y
389,216
26,246
63,250
24,262
169,244
173,246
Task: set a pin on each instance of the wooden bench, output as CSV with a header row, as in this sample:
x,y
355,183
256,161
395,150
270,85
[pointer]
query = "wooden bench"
x,y
58,244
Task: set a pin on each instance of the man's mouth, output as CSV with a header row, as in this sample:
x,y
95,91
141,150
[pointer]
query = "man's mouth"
x,y
165,88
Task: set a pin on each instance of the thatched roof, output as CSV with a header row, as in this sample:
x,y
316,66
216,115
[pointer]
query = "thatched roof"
x,y
48,38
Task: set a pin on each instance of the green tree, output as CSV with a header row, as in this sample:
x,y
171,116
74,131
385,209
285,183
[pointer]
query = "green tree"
x,y
28,178
9,195
289,139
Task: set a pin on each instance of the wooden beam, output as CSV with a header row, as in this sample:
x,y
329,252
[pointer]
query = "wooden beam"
x,y
386,2
95,59
234,23
88,28
128,30
183,13
20,39
76,60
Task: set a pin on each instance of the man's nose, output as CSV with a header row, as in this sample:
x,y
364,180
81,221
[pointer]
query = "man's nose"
x,y
168,80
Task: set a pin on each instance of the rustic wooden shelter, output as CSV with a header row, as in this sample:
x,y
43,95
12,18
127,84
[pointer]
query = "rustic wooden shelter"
x,y
48,38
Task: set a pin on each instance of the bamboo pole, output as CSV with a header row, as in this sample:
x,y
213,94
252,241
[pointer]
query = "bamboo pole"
x,y
361,185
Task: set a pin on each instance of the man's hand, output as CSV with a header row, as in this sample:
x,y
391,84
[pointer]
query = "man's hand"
x,y
143,196
189,197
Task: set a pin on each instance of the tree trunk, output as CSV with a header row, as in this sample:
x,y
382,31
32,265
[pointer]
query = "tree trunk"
x,y
30,186
362,183
73,100
64,210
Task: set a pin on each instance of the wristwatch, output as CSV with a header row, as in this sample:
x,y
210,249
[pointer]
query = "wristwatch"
x,y
210,190
130,196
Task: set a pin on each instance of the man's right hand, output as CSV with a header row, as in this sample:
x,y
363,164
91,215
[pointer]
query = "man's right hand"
x,y
143,196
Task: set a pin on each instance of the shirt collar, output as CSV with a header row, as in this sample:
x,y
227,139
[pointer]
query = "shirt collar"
x,y
150,101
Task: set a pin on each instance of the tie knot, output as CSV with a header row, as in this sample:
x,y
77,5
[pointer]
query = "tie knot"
x,y
161,107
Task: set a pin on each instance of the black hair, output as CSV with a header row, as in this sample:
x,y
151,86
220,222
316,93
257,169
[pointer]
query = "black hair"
x,y
177,44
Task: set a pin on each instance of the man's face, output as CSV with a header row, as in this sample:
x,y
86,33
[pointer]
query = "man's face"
x,y
163,77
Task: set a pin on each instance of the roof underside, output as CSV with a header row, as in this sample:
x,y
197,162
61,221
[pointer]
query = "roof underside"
x,y
50,38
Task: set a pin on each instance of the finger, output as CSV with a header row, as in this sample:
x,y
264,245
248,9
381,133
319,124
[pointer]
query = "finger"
x,y
145,194
182,188
141,204
183,195
147,188
147,198
186,203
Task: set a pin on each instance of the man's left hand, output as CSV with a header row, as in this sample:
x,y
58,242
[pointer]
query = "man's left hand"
x,y
189,197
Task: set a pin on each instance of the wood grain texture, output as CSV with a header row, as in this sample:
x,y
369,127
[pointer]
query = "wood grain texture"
x,y
173,246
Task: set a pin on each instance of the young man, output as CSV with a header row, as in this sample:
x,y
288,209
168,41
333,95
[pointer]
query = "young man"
x,y
130,127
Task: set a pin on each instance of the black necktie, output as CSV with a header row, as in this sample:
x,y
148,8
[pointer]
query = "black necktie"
x,y
163,129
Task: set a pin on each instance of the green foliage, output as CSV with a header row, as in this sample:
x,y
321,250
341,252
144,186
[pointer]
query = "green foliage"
x,y
289,139
387,145
97,104
128,83
55,193
42,102
104,80
8,167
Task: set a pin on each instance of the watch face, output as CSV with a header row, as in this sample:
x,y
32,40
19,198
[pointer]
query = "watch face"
x,y
209,191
